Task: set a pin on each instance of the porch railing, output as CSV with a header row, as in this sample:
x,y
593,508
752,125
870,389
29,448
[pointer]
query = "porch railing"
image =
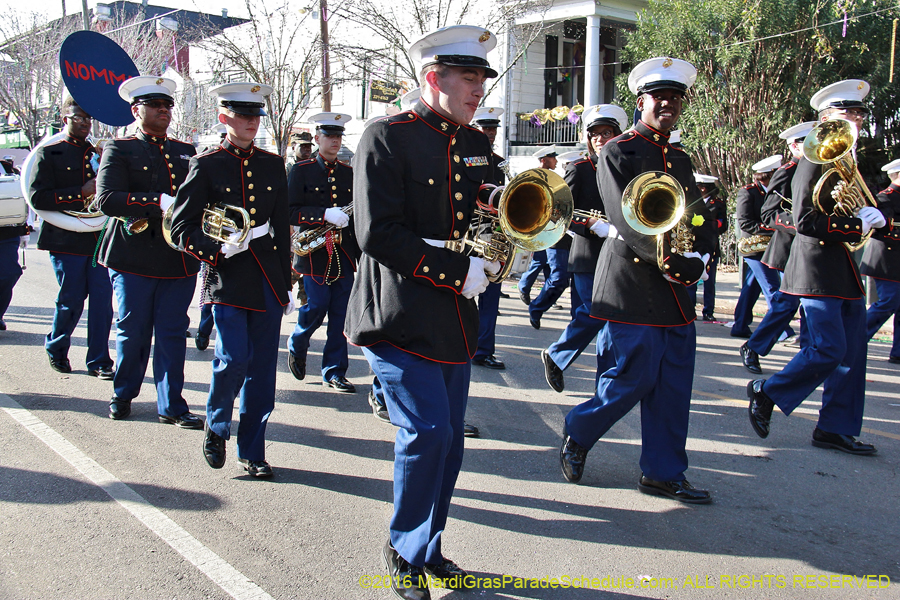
x,y
553,132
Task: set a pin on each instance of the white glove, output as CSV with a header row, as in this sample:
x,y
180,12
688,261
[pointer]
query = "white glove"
x,y
613,232
871,218
23,241
165,201
492,267
231,248
476,279
336,216
291,306
601,229
704,258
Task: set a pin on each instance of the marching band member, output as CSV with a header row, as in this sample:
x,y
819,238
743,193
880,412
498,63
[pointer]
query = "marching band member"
x,y
557,258
153,283
249,283
776,214
412,308
487,119
649,341
718,208
882,263
64,179
822,272
320,192
750,199
602,123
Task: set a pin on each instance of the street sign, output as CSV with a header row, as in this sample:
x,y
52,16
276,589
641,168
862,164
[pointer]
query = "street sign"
x,y
384,91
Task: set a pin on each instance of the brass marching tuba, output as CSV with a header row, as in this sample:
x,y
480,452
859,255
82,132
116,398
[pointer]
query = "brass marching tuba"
x,y
215,224
533,213
841,191
653,203
310,240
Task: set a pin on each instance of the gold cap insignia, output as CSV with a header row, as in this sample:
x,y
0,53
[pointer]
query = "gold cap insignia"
x,y
444,126
485,37
860,86
667,63
254,89
159,81
337,117
490,110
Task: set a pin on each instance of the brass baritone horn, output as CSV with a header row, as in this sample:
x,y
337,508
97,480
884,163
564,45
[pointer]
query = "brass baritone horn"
x,y
310,240
215,224
533,213
841,191
653,203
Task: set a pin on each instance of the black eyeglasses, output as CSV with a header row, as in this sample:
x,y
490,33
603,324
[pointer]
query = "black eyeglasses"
x,y
606,134
78,120
158,104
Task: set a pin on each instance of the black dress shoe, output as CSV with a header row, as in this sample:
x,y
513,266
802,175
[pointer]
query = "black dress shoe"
x,y
451,576
340,383
297,366
119,409
760,407
844,443
104,373
504,294
894,360
257,468
553,373
201,341
408,581
536,323
489,362
470,431
525,297
708,317
214,449
2,325
676,490
750,359
61,365
571,458
741,334
185,421
378,409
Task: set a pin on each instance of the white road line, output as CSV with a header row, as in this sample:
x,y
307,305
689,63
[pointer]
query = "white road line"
x,y
232,581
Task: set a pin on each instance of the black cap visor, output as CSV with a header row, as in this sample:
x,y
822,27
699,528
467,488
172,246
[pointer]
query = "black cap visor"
x,y
488,122
253,109
663,84
614,123
331,129
848,104
154,96
464,60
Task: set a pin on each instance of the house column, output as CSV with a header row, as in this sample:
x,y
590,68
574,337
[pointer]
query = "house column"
x,y
592,71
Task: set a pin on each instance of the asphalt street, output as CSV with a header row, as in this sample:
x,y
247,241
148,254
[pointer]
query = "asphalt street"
x,y
96,509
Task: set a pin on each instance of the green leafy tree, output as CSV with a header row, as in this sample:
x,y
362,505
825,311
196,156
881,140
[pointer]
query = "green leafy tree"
x,y
753,81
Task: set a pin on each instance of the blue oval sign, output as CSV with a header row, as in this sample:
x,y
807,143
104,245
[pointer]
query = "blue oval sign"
x,y
93,66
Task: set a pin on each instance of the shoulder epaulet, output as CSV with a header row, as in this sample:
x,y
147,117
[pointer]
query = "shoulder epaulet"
x,y
790,165
625,137
582,161
889,190
308,161
261,151
749,186
126,137
404,117
209,152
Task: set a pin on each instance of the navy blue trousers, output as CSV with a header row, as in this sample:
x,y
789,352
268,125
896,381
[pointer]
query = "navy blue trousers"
x,y
583,328
782,309
537,265
555,285
78,280
709,289
206,320
653,366
10,271
152,312
888,304
321,300
488,305
245,363
743,310
427,403
835,354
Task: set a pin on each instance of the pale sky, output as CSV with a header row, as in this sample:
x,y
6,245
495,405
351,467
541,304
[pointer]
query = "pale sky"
x,y
53,8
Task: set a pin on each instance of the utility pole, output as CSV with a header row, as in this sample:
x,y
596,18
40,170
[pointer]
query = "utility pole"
x,y
326,70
